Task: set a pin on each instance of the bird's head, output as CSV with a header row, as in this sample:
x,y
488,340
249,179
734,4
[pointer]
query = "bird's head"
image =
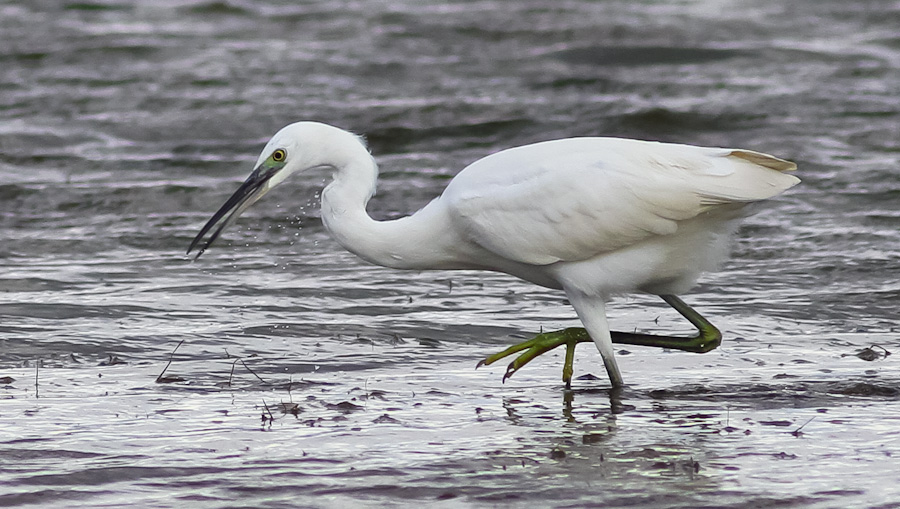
x,y
295,148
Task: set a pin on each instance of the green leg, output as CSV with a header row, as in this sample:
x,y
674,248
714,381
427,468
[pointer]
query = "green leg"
x,y
708,338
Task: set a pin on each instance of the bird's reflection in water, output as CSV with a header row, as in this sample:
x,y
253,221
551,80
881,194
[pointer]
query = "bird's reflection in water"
x,y
616,406
591,409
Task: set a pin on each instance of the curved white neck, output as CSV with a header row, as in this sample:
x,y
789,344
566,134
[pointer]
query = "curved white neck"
x,y
421,241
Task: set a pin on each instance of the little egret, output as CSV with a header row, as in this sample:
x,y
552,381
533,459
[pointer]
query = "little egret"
x,y
593,217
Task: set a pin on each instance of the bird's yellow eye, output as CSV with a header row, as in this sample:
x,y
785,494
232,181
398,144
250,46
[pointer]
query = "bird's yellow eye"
x,y
279,155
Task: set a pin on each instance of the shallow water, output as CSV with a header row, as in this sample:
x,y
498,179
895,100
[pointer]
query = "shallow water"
x,y
125,125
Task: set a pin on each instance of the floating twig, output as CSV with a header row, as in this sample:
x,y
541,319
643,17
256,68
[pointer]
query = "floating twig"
x,y
231,375
251,371
271,417
167,379
797,431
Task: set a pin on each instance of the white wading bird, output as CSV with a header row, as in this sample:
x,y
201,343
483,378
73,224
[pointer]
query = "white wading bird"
x,y
593,217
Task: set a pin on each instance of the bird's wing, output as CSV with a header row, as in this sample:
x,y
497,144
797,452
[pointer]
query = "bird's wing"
x,y
572,199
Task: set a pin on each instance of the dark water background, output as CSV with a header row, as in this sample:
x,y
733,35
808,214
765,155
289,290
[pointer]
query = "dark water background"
x,y
124,125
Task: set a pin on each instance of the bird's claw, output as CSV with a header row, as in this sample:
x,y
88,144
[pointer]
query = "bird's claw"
x,y
540,345
513,367
509,371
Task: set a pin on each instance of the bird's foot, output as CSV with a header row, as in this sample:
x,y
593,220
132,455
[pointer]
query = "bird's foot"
x,y
707,338
540,345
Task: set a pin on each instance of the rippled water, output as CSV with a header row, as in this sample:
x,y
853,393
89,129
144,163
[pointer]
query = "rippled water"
x,y
309,378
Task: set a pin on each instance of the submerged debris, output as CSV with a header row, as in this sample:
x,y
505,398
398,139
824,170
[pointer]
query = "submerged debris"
x,y
112,361
343,406
593,438
289,408
557,454
385,419
867,389
870,354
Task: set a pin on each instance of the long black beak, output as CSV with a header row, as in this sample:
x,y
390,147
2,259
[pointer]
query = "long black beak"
x,y
251,190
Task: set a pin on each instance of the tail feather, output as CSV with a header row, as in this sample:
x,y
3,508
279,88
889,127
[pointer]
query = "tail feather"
x,y
753,176
764,160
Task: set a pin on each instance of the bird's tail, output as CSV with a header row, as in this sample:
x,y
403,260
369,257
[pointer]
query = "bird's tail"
x,y
765,160
750,176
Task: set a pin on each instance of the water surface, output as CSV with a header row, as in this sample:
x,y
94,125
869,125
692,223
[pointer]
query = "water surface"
x,y
308,378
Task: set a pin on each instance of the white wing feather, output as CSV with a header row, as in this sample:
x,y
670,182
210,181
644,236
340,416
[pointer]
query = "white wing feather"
x,y
569,200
